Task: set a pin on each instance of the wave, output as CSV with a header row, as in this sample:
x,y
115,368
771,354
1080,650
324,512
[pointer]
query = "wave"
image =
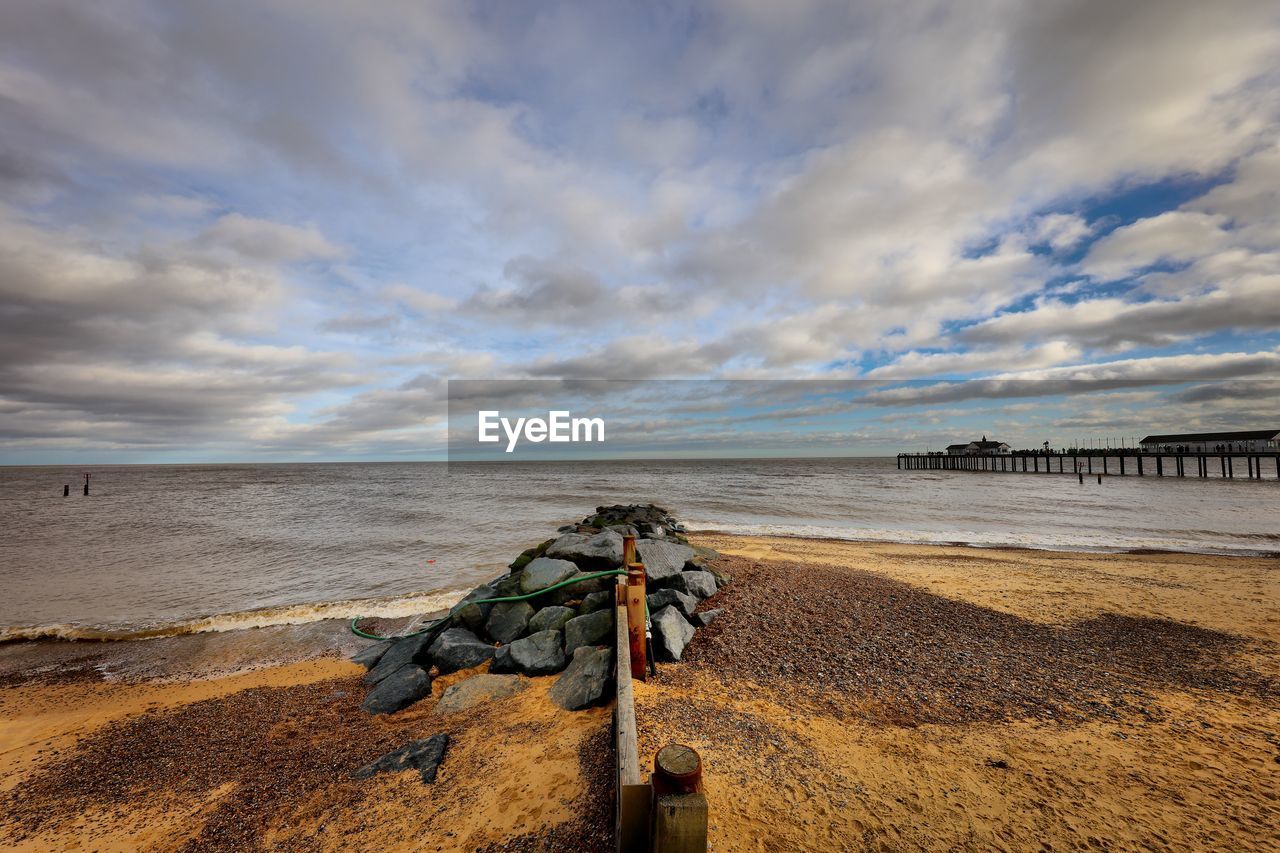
x,y
394,607
974,539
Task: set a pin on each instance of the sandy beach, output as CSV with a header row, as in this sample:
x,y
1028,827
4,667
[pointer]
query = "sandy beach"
x,y
851,696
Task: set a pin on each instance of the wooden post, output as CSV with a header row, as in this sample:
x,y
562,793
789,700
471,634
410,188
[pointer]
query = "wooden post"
x,y
66,490
1099,479
635,618
628,550
631,817
680,807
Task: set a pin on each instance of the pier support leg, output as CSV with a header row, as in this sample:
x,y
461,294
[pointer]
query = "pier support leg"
x,y
1159,466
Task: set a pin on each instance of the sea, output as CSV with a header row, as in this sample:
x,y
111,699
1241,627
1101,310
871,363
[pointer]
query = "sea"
x,y
162,550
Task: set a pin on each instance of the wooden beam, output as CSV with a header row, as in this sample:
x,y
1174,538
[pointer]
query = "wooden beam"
x,y
634,796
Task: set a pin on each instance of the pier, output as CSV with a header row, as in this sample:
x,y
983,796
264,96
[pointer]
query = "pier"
x,y
1122,462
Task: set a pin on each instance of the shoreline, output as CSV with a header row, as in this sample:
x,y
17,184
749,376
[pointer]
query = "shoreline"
x,y
402,606
850,692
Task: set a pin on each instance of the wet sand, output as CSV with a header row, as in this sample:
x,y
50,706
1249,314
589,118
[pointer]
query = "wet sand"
x,y
963,699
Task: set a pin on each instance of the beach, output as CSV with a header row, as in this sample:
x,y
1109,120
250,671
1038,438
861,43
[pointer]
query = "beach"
x,y
850,696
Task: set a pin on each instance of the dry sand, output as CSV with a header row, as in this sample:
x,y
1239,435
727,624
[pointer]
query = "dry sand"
x,y
1182,750
973,699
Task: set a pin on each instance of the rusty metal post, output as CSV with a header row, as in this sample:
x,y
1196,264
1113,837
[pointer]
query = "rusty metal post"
x,y
635,618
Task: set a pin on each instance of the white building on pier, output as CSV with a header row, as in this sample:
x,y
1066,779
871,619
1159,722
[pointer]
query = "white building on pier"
x,y
1246,441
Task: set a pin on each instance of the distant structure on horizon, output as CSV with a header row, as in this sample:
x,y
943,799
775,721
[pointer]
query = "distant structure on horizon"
x,y
1245,441
979,448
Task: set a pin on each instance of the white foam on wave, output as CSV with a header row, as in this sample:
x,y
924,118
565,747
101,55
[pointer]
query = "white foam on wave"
x,y
1106,544
394,607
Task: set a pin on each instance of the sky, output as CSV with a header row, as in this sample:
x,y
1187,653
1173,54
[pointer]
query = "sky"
x,y
275,230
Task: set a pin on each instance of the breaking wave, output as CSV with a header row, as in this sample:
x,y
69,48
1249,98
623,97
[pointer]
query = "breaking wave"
x,y
395,607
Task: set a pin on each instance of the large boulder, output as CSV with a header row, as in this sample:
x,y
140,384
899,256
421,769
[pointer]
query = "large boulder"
x,y
472,616
536,654
684,602
579,589
697,584
458,648
602,600
398,690
601,551
662,559
590,630
478,688
402,651
508,620
544,572
369,656
421,755
586,681
671,633
550,618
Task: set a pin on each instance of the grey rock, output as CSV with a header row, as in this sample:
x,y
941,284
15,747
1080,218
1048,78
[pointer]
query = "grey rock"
x,y
586,681
398,690
706,617
544,572
697,584
601,551
536,654
662,559
623,530
402,651
650,530
590,630
421,755
601,600
550,618
671,633
472,616
458,648
369,656
684,602
578,590
508,620
476,689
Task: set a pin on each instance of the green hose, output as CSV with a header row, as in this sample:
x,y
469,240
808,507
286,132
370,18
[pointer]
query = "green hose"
x,y
444,620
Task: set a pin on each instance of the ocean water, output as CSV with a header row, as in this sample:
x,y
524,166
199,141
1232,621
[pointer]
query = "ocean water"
x,y
158,550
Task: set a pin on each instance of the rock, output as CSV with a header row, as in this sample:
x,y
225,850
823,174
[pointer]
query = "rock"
x,y
476,689
536,654
421,755
566,528
471,616
508,620
662,559
697,584
601,600
398,690
550,618
586,681
722,579
528,555
623,530
684,602
458,648
590,630
577,591
402,651
602,551
370,655
706,617
651,531
544,572
671,633
704,553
